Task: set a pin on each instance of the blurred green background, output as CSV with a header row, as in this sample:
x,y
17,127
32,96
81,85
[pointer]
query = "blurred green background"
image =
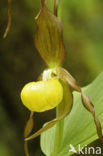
x,y
20,63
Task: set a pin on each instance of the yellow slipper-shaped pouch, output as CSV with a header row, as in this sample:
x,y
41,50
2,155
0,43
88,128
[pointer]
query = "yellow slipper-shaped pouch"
x,y
42,95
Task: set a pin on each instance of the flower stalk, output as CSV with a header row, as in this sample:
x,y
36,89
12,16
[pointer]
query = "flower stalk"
x,y
58,140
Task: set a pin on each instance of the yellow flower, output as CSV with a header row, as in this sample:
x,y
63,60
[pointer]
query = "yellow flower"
x,y
42,95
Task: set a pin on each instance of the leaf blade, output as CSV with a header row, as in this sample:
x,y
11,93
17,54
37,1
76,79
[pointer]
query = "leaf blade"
x,y
79,127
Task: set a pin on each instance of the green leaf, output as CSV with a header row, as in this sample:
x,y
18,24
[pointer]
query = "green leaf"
x,y
79,127
48,38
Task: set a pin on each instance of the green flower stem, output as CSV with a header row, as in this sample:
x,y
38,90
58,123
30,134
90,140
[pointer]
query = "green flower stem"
x,y
58,134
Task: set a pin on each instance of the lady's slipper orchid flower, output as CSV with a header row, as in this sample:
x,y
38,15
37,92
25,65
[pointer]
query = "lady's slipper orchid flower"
x,y
42,95
49,92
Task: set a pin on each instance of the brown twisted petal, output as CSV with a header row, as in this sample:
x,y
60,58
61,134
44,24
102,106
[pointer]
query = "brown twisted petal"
x,y
27,131
43,2
90,107
29,125
56,7
66,76
9,20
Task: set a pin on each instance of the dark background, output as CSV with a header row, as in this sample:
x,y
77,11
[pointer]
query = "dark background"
x,y
20,63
